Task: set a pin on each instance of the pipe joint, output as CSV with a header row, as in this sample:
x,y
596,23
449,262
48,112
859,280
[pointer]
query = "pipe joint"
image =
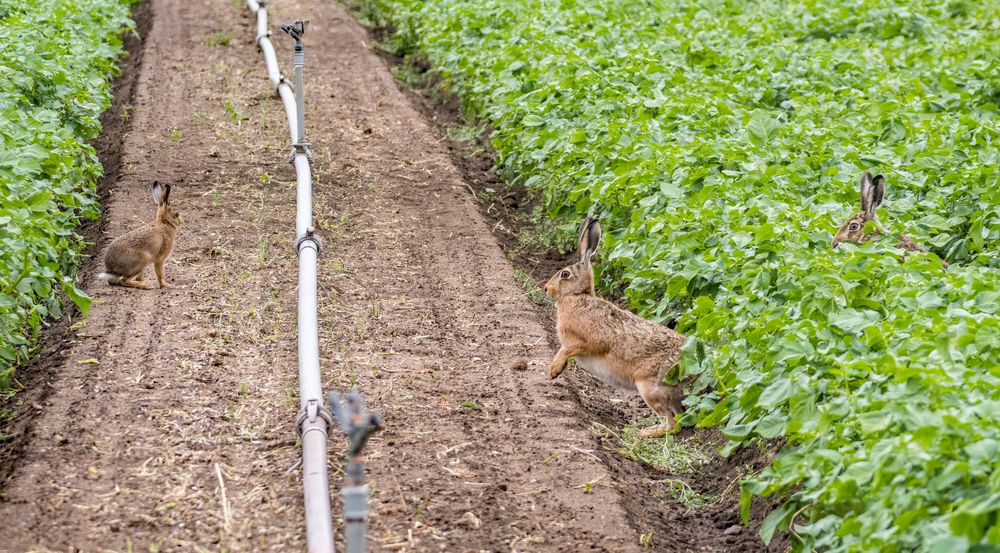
x,y
301,148
263,36
310,415
309,239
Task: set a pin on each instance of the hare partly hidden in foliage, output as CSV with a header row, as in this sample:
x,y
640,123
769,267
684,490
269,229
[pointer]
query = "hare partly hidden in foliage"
x,y
853,230
130,254
610,343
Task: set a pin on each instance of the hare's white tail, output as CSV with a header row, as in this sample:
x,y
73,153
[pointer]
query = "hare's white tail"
x,y
111,278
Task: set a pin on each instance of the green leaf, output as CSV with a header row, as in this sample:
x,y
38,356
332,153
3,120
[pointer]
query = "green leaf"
x,y
762,128
737,432
79,297
853,321
770,426
532,120
948,544
792,348
775,393
777,519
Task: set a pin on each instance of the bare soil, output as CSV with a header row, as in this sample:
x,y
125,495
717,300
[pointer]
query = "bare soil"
x,y
164,421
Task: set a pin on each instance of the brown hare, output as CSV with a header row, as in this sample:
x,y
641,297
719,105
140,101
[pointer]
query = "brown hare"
x,y
853,230
610,343
130,254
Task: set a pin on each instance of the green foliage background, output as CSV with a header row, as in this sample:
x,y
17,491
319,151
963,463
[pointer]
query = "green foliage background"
x,y
721,142
56,58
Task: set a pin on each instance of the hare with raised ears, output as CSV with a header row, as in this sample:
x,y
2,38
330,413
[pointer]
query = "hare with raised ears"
x,y
610,343
853,230
130,254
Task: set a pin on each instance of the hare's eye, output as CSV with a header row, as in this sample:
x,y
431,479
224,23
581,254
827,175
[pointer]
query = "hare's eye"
x,y
854,226
564,274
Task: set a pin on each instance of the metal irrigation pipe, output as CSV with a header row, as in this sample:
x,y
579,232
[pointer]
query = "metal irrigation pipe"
x,y
313,420
271,61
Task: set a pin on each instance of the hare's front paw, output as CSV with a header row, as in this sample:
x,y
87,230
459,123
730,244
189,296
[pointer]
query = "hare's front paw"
x,y
655,431
556,369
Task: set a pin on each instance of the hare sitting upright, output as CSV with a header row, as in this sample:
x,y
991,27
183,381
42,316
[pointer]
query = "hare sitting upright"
x,y
130,254
853,230
610,343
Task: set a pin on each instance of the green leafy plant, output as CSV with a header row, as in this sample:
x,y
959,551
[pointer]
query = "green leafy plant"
x,y
218,38
235,115
721,142
53,87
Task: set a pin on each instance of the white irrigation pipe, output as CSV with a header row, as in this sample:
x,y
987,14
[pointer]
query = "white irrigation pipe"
x,y
313,420
271,60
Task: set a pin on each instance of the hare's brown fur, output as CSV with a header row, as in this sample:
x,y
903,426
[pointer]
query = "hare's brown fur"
x,y
130,254
611,343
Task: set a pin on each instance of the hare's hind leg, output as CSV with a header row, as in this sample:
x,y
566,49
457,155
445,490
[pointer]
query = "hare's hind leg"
x,y
664,402
136,282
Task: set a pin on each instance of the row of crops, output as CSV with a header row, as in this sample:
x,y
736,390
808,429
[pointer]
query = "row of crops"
x,y
721,143
56,58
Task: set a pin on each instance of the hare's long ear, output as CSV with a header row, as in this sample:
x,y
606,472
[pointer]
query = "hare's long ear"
x,y
157,193
869,199
590,238
166,194
879,183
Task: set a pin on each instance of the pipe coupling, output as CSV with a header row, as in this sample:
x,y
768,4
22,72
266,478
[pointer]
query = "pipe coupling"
x,y
282,81
309,236
263,36
300,148
312,411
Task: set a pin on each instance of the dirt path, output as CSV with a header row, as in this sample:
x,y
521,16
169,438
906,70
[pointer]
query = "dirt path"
x,y
158,395
169,422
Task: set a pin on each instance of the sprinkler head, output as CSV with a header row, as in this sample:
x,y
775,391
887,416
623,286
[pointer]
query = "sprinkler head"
x,y
296,30
354,419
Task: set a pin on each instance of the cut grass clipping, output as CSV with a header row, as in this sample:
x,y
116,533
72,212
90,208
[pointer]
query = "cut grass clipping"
x,y
666,454
663,453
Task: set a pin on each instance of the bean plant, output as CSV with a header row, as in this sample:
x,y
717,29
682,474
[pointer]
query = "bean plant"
x,y
721,143
56,58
